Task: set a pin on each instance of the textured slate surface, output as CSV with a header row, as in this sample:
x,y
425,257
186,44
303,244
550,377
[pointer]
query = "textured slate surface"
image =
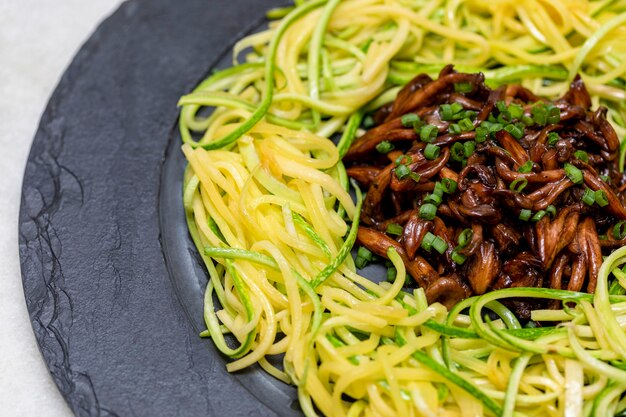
x,y
117,329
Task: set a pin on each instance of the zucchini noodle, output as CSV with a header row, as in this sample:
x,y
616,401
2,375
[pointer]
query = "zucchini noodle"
x,y
268,205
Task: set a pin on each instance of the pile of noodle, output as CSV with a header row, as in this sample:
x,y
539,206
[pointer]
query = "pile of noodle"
x,y
268,206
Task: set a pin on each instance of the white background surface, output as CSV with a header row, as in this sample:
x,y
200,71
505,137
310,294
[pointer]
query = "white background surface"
x,y
38,39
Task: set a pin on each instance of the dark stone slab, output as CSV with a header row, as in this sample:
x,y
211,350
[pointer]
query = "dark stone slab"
x,y
111,281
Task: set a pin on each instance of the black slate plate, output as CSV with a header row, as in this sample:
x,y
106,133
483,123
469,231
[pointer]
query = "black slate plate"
x,y
111,279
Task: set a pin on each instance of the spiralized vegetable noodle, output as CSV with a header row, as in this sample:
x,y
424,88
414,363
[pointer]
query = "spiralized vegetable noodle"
x,y
268,206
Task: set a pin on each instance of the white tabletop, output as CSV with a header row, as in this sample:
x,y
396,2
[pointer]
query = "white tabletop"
x,y
38,39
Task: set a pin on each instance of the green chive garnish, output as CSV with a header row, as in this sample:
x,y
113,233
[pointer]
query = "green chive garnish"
x,y
440,245
540,114
589,197
619,230
427,241
465,237
525,214
454,129
363,257
601,198
428,133
554,115
466,124
428,211
438,189
468,148
526,168
402,171
481,134
409,118
582,155
432,151
394,229
515,131
384,147
538,216
573,173
458,258
433,199
553,138
457,151
518,185
516,110
448,185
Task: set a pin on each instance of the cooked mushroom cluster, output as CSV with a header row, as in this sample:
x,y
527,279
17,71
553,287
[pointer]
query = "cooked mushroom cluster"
x,y
482,189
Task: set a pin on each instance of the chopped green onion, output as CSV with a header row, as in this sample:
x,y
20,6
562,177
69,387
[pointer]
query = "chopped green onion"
x,y
501,106
454,129
445,112
573,173
391,274
363,257
457,151
440,245
403,160
515,131
438,189
432,151
450,111
526,168
588,197
409,119
481,134
470,114
468,148
458,258
601,198
518,185
415,176
465,87
428,211
540,114
368,121
384,147
527,120
433,198
465,237
538,216
505,117
360,263
605,178
448,185
582,155
551,210
553,138
365,253
554,115
427,241
619,230
466,124
516,110
394,229
428,133
495,127
525,214
456,108
402,171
